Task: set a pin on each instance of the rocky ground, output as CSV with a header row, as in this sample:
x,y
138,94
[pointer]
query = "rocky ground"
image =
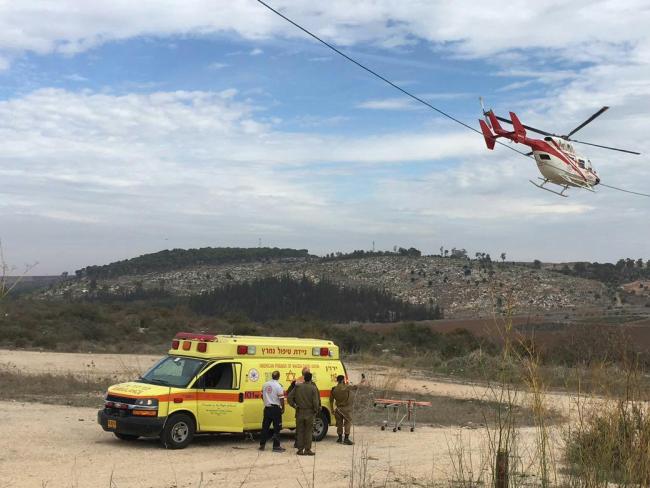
x,y
462,287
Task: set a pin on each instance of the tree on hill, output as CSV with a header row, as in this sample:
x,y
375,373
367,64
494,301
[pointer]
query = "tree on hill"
x,y
168,260
624,271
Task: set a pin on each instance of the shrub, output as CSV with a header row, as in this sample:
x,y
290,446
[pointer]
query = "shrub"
x,y
611,445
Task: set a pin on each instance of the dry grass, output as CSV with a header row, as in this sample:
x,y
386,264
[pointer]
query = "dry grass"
x,y
610,442
61,389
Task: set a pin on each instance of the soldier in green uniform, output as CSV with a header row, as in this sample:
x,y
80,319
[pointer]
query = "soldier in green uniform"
x,y
343,396
305,398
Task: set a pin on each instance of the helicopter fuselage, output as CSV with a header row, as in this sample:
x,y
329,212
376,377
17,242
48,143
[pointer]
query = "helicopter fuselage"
x,y
560,164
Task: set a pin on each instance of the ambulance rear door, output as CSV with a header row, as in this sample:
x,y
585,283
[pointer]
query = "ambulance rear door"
x,y
220,405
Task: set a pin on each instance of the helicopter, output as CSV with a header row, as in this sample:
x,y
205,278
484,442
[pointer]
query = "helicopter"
x,y
557,160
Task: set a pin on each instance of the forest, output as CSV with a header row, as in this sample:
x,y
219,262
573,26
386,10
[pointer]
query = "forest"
x,y
283,297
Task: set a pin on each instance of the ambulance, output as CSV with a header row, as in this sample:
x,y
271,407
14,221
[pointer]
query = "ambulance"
x,y
212,383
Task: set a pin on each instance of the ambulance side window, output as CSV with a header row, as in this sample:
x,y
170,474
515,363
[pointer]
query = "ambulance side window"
x,y
223,376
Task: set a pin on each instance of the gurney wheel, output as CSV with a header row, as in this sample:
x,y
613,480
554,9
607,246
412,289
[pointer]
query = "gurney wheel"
x,y
399,428
412,429
383,427
394,429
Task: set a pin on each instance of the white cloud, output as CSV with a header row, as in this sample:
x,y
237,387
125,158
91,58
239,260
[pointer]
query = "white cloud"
x,y
216,66
256,52
76,77
405,103
182,163
582,30
135,162
397,103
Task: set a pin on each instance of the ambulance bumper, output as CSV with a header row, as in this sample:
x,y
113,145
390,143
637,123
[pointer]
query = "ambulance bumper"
x,y
140,426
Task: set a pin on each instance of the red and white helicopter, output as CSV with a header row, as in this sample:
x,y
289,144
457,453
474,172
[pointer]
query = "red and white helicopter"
x,y
555,156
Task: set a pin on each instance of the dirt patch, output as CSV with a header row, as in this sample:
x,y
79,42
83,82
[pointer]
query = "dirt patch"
x,y
444,411
68,449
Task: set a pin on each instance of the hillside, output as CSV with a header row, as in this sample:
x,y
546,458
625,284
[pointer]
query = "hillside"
x,y
461,287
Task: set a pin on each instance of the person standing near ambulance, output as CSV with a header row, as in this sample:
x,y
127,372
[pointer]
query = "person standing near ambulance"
x,y
342,395
273,396
305,398
299,380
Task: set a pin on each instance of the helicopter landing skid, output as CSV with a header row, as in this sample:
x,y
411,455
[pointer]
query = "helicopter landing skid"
x,y
544,181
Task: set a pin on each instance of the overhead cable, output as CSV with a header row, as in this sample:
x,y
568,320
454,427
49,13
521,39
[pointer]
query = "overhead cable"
x,y
382,78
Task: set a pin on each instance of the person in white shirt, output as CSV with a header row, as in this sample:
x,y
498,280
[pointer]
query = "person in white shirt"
x,y
273,396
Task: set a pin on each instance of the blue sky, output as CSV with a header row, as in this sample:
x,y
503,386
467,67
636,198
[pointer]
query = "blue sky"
x,y
132,128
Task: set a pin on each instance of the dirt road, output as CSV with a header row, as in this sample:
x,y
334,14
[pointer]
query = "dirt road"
x,y
59,446
44,445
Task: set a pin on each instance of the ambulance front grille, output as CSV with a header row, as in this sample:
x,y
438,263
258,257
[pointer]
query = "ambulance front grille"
x,y
119,399
113,400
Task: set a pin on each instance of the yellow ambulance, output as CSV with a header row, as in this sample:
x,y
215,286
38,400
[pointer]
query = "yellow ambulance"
x,y
212,383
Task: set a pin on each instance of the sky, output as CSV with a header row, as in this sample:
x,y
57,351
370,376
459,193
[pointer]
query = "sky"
x,y
132,127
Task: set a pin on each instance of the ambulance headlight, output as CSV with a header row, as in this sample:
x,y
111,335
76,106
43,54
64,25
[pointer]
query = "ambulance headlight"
x,y
147,402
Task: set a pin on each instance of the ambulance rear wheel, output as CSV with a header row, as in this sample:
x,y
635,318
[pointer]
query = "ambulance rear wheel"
x,y
178,431
126,437
321,424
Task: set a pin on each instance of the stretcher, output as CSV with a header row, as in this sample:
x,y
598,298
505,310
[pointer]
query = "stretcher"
x,y
399,412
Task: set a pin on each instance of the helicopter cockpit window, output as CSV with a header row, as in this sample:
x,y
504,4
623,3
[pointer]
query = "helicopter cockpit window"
x,y
545,156
581,163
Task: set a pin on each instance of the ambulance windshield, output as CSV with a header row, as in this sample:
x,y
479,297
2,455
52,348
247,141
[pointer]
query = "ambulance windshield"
x,y
173,371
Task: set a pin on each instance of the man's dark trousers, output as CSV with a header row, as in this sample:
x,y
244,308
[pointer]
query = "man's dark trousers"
x,y
272,415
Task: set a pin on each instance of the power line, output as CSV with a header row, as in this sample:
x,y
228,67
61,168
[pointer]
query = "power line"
x,y
383,78
408,93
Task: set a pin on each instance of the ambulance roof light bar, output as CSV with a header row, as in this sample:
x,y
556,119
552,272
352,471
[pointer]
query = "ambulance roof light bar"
x,y
190,336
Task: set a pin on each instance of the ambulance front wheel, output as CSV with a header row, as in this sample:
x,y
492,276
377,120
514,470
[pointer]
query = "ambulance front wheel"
x,y
321,424
178,431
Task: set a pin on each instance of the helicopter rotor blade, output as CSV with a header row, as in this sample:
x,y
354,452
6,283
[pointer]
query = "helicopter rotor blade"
x,y
532,129
589,120
539,131
624,190
605,147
